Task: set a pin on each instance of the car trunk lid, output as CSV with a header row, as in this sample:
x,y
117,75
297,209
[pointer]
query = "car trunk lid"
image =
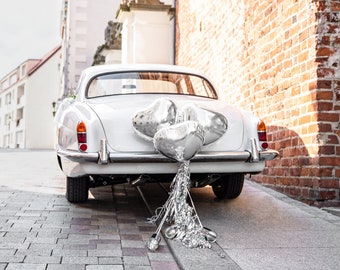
x,y
116,114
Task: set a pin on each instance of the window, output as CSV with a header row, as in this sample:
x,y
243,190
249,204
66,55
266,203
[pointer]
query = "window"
x,y
13,79
20,93
8,98
150,82
23,70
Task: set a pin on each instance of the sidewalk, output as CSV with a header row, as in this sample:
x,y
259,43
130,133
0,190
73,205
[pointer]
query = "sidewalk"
x,y
40,229
262,229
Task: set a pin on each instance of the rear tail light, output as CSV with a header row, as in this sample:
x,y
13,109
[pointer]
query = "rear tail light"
x,y
262,134
81,136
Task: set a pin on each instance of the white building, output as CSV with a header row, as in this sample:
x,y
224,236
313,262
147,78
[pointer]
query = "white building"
x,y
27,99
82,31
148,31
148,34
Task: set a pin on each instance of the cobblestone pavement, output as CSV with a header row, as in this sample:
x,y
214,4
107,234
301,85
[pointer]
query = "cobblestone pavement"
x,y
261,229
40,229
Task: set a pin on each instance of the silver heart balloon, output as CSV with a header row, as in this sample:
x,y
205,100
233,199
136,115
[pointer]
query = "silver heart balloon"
x,y
161,113
181,141
214,124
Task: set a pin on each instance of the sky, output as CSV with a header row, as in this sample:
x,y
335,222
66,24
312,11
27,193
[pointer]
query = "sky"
x,y
29,29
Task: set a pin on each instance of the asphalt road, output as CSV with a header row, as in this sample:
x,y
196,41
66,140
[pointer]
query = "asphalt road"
x,y
262,229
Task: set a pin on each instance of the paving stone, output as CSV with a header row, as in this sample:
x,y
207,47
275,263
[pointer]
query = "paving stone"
x,y
133,237
42,240
79,260
7,252
137,267
34,252
136,260
7,258
113,236
69,252
104,267
109,246
132,244
164,265
79,246
66,267
156,256
42,259
25,266
111,260
42,246
135,251
105,252
10,245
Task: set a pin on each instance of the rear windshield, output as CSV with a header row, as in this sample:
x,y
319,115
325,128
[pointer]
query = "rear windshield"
x,y
149,82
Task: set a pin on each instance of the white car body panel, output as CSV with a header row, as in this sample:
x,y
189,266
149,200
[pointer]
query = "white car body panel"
x,y
114,148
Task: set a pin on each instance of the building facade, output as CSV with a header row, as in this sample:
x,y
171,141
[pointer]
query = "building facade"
x,y
82,31
27,99
281,60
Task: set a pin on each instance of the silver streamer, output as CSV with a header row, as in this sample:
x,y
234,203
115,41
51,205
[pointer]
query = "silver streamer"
x,y
179,136
185,223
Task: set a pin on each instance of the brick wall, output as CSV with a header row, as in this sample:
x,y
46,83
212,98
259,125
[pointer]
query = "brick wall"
x,y
281,60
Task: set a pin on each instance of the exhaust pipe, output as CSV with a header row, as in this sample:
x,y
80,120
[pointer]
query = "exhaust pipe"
x,y
142,179
208,181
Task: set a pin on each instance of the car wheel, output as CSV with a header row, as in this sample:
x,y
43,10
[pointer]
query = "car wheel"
x,y
77,189
228,186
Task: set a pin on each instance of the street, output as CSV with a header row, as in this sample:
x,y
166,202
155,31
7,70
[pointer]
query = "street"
x,y
40,229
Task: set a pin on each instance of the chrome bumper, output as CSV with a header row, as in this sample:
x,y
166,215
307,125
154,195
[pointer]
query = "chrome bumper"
x,y
104,157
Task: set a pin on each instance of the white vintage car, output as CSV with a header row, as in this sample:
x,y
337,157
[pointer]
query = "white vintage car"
x,y
105,132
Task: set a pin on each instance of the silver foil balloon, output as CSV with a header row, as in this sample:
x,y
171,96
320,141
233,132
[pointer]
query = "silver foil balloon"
x,y
171,232
214,124
161,113
209,235
181,141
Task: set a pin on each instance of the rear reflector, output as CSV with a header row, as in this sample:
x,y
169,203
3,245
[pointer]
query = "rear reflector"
x,y
83,147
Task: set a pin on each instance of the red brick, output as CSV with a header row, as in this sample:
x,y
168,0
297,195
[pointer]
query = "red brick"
x,y
324,52
331,184
329,161
327,150
324,84
328,116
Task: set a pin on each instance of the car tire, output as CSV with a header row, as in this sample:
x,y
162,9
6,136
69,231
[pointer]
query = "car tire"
x,y
59,163
229,186
77,189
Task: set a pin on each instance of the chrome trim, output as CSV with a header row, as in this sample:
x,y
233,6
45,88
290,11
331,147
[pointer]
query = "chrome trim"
x,y
268,154
202,156
115,157
77,156
255,156
103,155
